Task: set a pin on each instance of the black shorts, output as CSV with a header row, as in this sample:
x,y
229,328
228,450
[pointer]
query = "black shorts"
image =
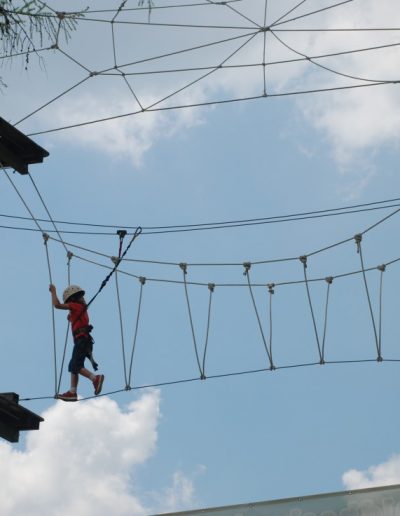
x,y
83,347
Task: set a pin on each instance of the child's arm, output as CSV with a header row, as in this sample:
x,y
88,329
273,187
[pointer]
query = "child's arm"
x,y
55,300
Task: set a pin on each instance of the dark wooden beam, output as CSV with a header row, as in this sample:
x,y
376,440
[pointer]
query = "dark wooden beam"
x,y
17,150
15,418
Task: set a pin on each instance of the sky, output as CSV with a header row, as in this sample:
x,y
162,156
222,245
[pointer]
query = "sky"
x,y
232,438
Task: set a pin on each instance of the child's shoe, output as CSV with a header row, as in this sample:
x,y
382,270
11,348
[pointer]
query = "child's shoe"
x,y
98,383
68,396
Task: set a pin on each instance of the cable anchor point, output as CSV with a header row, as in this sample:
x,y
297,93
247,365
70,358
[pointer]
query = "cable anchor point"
x,y
303,260
271,287
358,239
203,376
247,267
45,238
379,358
142,280
128,387
116,260
329,280
183,266
382,267
211,287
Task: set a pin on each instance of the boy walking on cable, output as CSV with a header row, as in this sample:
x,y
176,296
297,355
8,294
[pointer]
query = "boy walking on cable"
x,y
83,341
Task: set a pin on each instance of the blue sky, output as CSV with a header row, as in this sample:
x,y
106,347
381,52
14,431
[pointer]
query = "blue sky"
x,y
239,439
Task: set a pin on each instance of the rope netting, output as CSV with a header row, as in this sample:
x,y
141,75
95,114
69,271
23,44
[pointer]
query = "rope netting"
x,y
201,53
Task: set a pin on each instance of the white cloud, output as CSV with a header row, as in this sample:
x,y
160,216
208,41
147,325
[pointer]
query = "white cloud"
x,y
383,474
83,460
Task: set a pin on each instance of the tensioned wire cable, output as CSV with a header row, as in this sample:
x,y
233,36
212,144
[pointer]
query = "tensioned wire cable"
x,y
258,262
224,375
148,230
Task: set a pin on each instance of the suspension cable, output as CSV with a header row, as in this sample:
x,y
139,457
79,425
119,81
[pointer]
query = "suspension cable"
x,y
142,281
303,260
183,267
358,239
247,266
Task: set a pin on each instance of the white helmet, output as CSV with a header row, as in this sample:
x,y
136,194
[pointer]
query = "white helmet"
x,y
71,290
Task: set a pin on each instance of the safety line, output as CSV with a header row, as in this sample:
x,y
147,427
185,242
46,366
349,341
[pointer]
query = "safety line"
x,y
344,210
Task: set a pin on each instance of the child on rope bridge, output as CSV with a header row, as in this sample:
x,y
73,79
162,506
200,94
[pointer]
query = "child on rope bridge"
x,y
83,341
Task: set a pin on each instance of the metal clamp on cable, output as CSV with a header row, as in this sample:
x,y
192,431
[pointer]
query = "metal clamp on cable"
x,y
303,260
358,239
271,287
382,267
247,266
183,266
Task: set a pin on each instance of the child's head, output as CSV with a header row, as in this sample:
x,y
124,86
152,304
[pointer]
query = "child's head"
x,y
73,294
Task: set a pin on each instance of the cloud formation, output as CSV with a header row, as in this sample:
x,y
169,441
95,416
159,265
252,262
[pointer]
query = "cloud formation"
x,y
83,461
386,473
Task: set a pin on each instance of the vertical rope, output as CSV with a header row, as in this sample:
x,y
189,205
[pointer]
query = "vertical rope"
x,y
246,273
303,260
142,282
271,292
358,239
329,281
382,269
45,240
183,266
69,257
121,326
211,287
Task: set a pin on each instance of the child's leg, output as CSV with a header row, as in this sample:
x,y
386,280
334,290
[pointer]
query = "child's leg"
x,y
86,373
74,382
97,379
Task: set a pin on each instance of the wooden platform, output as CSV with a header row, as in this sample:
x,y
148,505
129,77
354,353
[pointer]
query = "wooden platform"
x,y
17,150
14,417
